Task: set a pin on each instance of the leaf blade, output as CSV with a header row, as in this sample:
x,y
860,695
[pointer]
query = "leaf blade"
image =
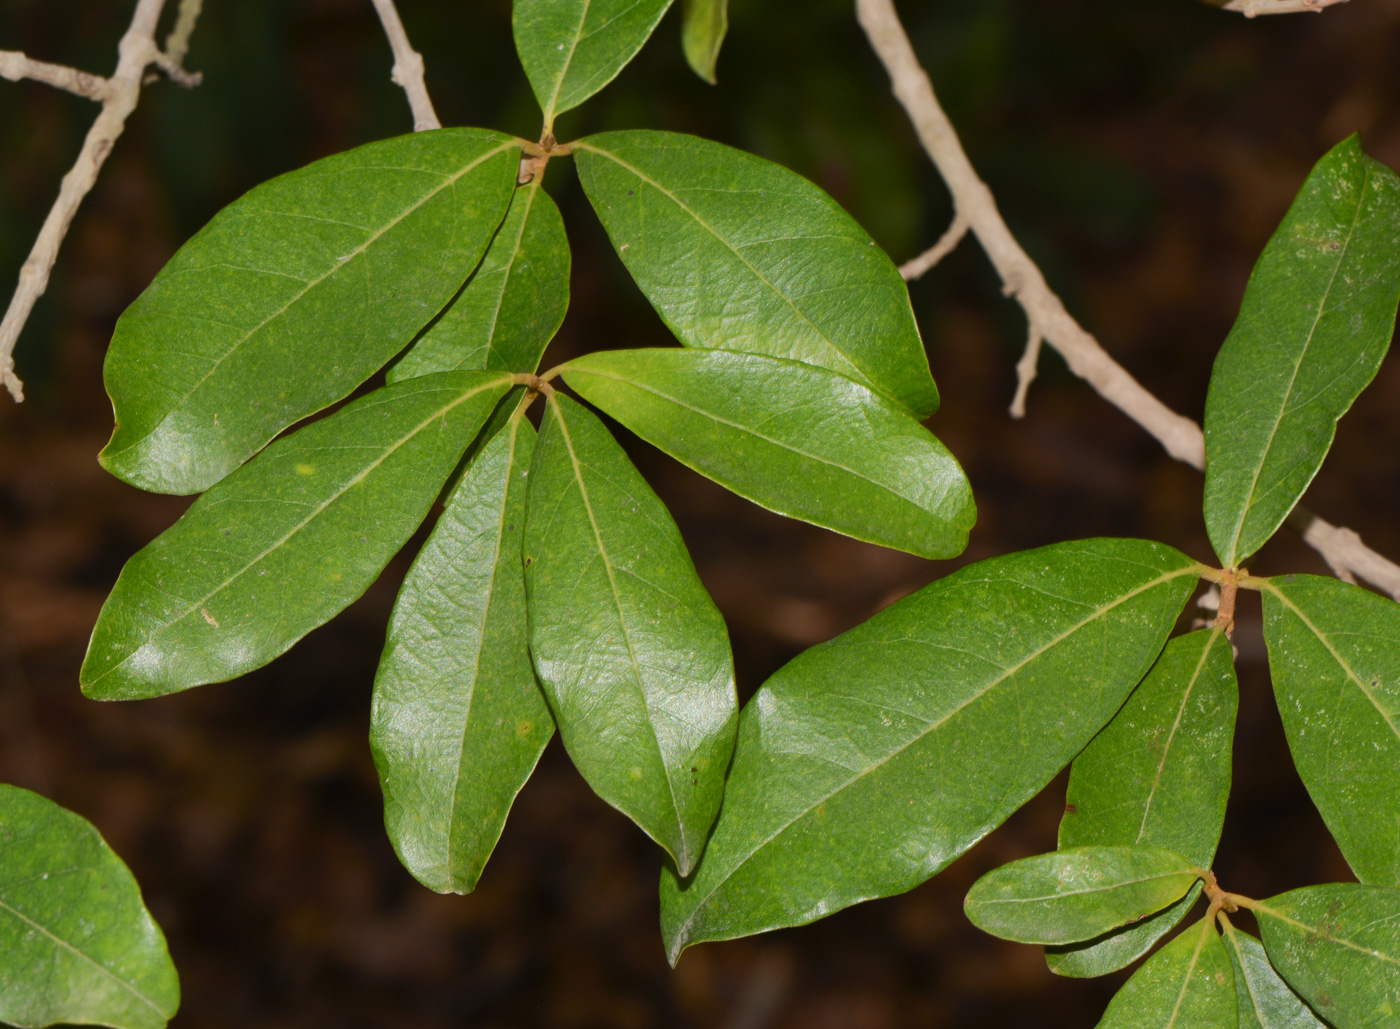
x,y
793,438
1263,999
346,259
738,253
295,523
705,26
1188,983
1315,322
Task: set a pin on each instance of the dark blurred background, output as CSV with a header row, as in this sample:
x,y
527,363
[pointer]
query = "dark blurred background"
x,y
1143,151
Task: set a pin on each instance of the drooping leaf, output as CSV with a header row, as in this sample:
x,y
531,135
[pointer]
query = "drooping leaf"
x,y
294,295
1334,656
1263,1000
458,721
1315,322
1339,946
512,305
1188,984
738,253
795,438
632,652
573,48
870,762
76,942
285,542
1076,894
706,22
1158,775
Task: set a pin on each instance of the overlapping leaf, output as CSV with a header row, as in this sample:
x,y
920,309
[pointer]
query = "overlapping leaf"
x,y
511,306
284,543
458,720
1334,656
573,48
1188,984
633,655
76,942
705,25
1338,946
738,253
795,438
1315,322
870,762
293,296
1075,894
1158,774
1263,1000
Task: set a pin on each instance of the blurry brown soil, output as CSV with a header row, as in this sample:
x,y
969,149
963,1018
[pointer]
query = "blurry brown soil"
x,y
250,810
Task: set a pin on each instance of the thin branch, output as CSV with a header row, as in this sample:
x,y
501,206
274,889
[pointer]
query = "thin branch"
x,y
408,67
16,66
1182,438
1253,8
136,51
177,44
946,244
1026,369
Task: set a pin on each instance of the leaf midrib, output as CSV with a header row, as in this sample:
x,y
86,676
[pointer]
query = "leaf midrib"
x,y
551,108
1190,971
1176,725
1118,885
1315,931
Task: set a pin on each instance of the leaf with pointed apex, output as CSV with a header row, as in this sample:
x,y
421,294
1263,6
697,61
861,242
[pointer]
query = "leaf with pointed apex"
x,y
1158,775
1188,984
870,762
705,25
287,541
512,305
797,439
1076,894
1263,1000
632,652
294,295
1339,947
458,721
738,253
1334,656
573,48
76,942
1315,322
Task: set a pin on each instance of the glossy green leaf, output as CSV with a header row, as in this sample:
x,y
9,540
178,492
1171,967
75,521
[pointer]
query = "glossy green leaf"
x,y
1316,320
870,762
705,24
1334,656
458,721
1263,1000
1076,894
512,305
632,652
1188,984
76,942
792,437
1339,946
1158,775
294,295
573,48
287,541
738,253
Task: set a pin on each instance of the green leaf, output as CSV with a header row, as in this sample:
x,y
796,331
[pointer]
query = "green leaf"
x,y
706,22
573,48
1188,984
738,253
458,722
512,305
76,942
287,541
1263,999
795,438
1334,656
870,762
294,295
1076,894
1158,775
1315,322
632,652
1339,946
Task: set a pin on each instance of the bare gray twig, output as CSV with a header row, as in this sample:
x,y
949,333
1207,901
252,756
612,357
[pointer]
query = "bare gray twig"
x,y
1253,8
408,67
16,66
177,44
946,244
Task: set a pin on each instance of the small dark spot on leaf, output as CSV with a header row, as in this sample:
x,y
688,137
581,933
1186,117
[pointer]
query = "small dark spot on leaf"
x,y
529,561
1070,809
629,192
228,532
